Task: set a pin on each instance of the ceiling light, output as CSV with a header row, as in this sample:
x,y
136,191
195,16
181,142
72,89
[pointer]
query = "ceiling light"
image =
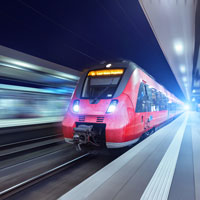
x,y
193,91
108,65
184,79
12,66
193,99
186,107
178,46
182,69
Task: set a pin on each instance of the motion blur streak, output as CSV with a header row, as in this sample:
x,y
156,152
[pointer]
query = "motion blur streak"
x,y
26,102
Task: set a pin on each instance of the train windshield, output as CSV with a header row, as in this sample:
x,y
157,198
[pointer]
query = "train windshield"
x,y
101,84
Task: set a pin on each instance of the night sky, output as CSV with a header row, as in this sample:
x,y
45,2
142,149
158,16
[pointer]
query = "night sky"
x,y
80,33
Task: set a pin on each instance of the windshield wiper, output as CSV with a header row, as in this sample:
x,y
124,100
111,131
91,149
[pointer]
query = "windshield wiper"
x,y
100,94
106,88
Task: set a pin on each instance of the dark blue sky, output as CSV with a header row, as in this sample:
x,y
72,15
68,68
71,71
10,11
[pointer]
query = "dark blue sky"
x,y
80,33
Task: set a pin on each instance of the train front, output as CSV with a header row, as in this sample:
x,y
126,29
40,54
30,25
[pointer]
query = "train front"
x,y
100,113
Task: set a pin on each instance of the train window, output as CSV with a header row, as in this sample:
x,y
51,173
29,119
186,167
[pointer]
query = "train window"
x,y
102,87
179,107
148,92
141,99
158,100
167,103
169,106
149,98
153,102
172,107
163,102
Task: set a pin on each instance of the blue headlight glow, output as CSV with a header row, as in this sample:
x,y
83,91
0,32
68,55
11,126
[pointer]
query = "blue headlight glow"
x,y
112,107
76,106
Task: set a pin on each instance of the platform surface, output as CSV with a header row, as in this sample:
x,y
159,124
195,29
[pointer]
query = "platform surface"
x,y
166,165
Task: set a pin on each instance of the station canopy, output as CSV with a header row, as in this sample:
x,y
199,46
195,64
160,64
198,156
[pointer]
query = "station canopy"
x,y
18,66
176,25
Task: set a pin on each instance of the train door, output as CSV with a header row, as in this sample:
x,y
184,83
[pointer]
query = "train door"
x,y
141,114
148,115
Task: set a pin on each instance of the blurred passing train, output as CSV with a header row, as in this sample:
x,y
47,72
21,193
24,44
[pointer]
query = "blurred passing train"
x,y
26,102
114,104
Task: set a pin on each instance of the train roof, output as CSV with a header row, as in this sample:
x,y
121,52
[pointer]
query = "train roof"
x,y
120,64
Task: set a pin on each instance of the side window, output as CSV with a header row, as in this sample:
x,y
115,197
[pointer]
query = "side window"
x,y
175,107
172,107
158,99
169,106
167,103
163,102
178,107
153,103
141,99
149,98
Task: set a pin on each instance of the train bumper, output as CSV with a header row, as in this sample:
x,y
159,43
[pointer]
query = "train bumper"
x,y
118,129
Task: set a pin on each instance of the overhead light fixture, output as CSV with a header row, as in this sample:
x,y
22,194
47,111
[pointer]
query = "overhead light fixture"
x,y
187,107
193,99
178,47
193,91
184,79
108,65
13,66
182,69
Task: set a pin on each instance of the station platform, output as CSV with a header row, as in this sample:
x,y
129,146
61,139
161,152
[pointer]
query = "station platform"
x,y
166,165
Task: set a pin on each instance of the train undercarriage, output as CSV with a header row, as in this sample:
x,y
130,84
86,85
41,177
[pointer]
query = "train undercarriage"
x,y
89,133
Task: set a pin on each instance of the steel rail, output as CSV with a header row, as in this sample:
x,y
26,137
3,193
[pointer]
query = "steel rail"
x,y
30,140
28,181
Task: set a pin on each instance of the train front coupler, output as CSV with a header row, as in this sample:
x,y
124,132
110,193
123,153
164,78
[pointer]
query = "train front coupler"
x,y
82,135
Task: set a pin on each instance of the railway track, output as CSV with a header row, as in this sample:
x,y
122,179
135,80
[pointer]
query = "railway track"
x,y
29,141
36,174
16,153
68,168
19,134
16,148
35,179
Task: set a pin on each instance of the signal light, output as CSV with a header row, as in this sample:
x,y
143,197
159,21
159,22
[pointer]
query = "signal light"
x,y
76,106
112,107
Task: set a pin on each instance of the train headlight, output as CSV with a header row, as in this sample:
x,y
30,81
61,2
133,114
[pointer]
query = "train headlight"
x,y
112,106
76,106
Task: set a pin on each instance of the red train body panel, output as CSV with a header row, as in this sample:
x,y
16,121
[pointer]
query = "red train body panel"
x,y
138,106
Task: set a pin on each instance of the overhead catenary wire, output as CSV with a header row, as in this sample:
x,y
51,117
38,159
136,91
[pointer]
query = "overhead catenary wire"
x,y
54,22
140,33
63,27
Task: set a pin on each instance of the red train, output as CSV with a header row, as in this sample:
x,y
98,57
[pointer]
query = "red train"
x,y
114,104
